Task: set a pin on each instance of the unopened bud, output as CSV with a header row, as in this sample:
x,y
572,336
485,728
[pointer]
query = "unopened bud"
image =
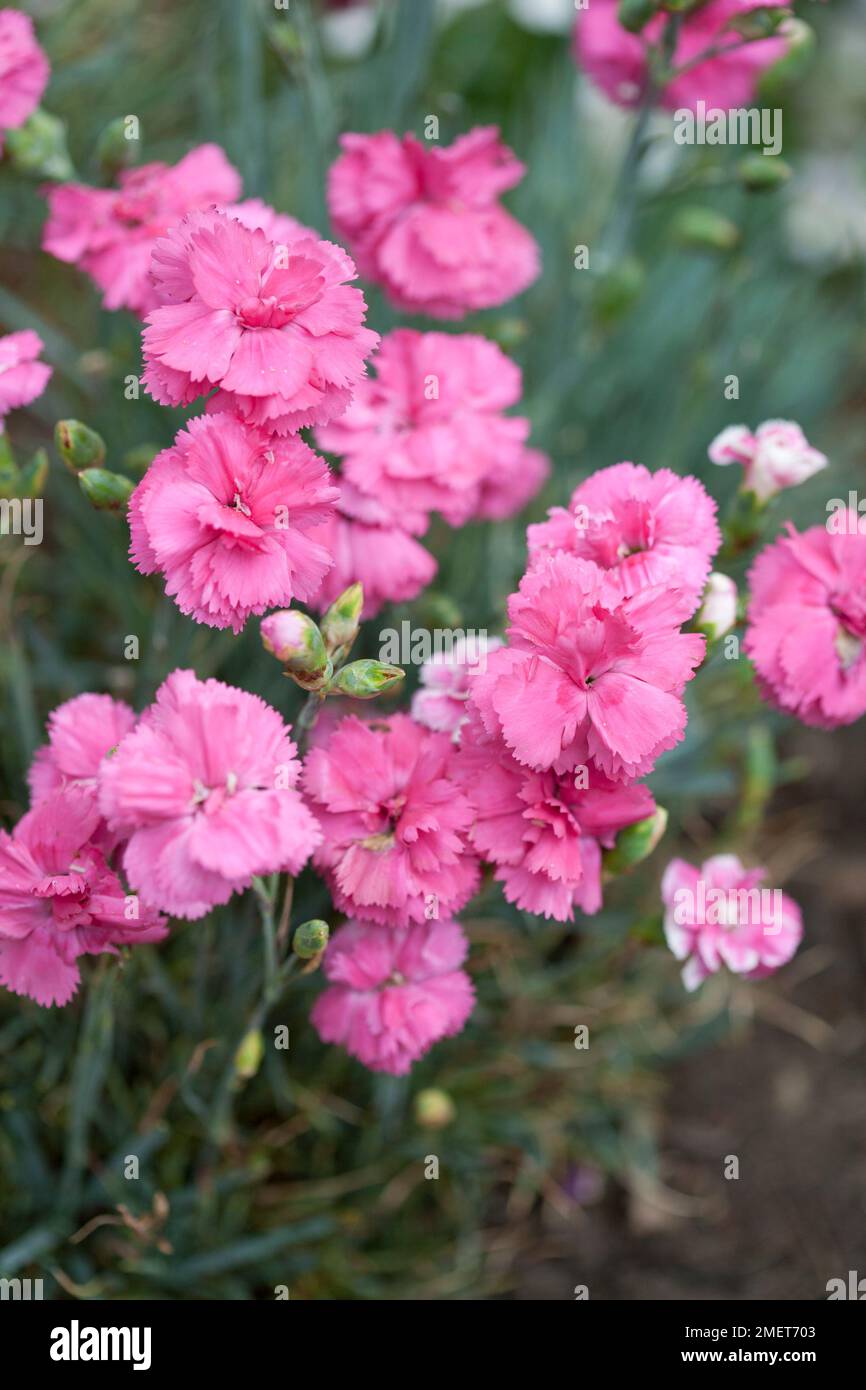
x,y
760,173
248,1057
114,149
759,23
635,843
342,620
634,14
295,640
34,475
365,679
39,147
78,445
705,229
311,938
434,1109
107,492
718,610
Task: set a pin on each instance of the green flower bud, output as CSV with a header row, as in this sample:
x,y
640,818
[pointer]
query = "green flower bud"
x,y
760,172
78,445
114,149
39,147
616,289
365,679
10,473
342,620
634,14
107,492
310,939
760,23
635,843
434,1109
248,1057
34,475
139,459
295,640
705,229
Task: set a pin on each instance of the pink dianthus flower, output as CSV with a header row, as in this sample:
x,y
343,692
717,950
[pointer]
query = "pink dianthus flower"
x,y
776,456
441,701
81,732
22,378
24,70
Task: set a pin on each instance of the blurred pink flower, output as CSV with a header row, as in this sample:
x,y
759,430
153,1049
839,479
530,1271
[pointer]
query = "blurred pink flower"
x,y
643,528
616,59
806,628
428,431
588,676
425,221
228,514
24,70
718,914
81,732
59,900
776,456
544,830
718,611
394,822
393,994
110,233
507,491
205,788
441,701
22,378
271,323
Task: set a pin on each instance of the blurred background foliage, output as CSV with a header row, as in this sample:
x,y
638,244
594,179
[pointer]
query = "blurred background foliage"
x,y
311,1174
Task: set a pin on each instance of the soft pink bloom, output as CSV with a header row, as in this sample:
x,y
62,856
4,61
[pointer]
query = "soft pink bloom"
x,y
428,431
776,456
616,60
545,831
506,492
277,226
589,676
110,233
24,70
22,378
718,611
228,514
369,547
394,822
392,995
718,914
807,622
271,323
204,787
425,221
59,900
81,732
440,703
643,528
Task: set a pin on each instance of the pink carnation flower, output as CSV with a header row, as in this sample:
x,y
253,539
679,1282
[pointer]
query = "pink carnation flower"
x,y
544,831
110,233
277,226
81,732
718,914
507,491
271,323
425,221
22,378
776,456
643,528
441,702
807,622
24,71
394,994
228,515
370,548
59,900
427,432
589,676
394,822
616,60
204,787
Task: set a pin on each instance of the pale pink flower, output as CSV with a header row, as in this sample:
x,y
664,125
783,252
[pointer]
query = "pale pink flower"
x,y
616,59
718,611
228,515
22,378
393,994
544,831
81,732
272,324
59,900
806,630
441,701
394,822
506,492
277,226
24,70
110,233
425,221
718,914
427,432
205,789
589,676
776,456
643,528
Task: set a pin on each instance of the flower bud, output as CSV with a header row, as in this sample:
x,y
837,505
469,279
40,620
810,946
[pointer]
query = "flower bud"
x,y
248,1057
434,1109
762,173
107,492
635,843
705,230
139,459
78,445
34,475
759,23
295,640
311,938
365,679
39,147
10,473
718,611
114,150
342,620
634,14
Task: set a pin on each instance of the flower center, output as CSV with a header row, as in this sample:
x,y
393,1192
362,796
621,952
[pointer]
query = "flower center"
x,y
264,311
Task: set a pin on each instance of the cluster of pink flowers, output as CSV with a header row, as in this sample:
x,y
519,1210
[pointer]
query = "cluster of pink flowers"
x,y
22,376
24,71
